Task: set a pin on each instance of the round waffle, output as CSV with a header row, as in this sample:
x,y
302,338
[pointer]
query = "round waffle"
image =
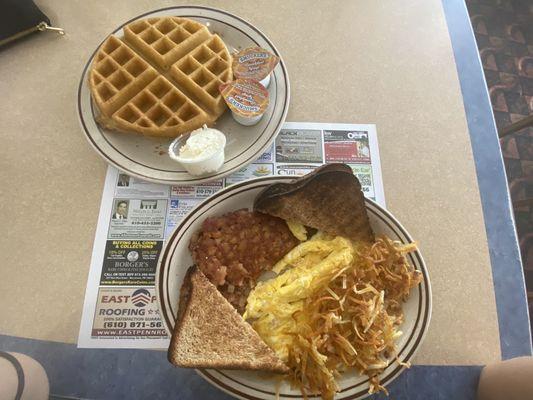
x,y
161,78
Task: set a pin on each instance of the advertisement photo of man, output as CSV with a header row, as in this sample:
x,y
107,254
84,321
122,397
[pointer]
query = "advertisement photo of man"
x,y
121,210
123,180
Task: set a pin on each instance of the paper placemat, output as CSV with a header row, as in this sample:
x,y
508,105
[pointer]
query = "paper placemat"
x,y
136,217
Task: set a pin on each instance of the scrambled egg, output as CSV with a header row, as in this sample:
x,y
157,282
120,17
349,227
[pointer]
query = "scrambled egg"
x,y
274,306
298,230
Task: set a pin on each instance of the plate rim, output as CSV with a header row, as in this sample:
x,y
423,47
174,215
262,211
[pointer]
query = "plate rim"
x,y
194,180
391,376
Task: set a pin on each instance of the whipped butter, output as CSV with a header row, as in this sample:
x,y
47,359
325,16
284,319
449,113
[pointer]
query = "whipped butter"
x,y
201,152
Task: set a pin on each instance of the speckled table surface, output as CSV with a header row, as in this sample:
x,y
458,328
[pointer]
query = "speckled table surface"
x,y
410,68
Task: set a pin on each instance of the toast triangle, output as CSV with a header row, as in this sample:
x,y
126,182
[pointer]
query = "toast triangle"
x,y
329,199
210,333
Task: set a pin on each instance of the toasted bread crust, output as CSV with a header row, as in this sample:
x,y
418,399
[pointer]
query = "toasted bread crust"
x,y
329,199
209,333
286,188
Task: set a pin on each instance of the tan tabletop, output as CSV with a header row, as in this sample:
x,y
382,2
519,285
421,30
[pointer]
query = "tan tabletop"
x,y
383,62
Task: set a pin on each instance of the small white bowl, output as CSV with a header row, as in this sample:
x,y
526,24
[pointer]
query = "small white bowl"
x,y
197,166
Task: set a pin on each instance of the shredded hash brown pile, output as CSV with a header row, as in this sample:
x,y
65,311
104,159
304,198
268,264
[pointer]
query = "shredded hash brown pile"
x,y
347,317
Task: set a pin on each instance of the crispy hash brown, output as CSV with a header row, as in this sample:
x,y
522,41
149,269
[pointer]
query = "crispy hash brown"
x,y
234,249
335,305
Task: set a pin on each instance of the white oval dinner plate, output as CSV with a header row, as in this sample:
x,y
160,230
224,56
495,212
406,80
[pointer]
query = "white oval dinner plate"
x,y
175,260
146,157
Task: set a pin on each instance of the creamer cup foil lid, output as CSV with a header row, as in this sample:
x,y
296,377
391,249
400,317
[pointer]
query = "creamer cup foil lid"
x,y
253,63
245,97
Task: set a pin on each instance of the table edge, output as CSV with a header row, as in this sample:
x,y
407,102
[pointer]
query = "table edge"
x,y
506,263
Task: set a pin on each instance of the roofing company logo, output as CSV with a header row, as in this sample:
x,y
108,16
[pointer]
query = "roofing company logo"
x,y
140,297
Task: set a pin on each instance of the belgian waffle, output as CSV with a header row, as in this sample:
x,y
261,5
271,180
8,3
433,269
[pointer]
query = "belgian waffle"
x,y
161,78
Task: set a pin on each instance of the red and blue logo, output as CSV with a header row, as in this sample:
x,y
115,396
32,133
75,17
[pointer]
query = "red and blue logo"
x,y
141,297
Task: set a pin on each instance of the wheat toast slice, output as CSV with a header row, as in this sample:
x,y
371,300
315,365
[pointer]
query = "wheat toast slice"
x,y
329,199
283,188
210,333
